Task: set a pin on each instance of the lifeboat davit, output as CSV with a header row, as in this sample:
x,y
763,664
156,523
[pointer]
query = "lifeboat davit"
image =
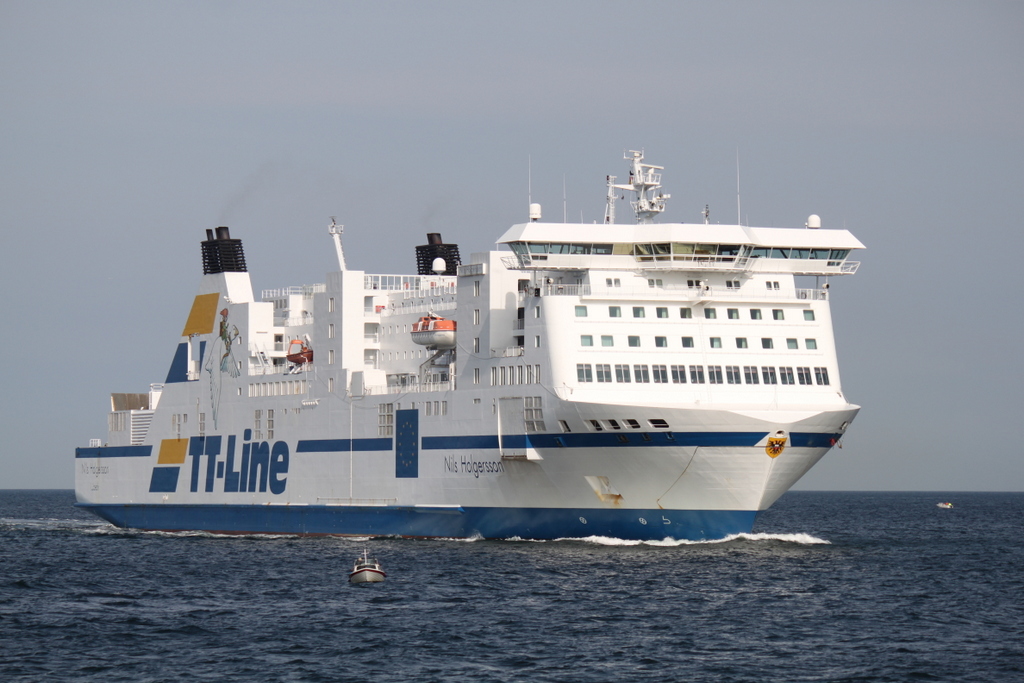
x,y
435,331
299,352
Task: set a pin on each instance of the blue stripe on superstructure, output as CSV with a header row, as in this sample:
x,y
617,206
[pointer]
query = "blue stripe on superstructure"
x,y
479,441
178,372
443,522
342,445
114,452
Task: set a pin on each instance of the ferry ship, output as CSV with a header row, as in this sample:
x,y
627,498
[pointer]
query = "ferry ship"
x,y
638,380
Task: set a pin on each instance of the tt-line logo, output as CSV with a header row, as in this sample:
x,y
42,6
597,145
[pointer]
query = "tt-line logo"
x,y
259,467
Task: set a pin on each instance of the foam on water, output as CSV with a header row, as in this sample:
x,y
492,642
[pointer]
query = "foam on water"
x,y
802,539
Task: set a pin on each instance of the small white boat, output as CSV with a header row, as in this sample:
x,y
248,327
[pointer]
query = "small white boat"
x,y
945,506
366,570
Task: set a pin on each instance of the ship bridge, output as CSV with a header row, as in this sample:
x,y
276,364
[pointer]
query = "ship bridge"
x,y
680,246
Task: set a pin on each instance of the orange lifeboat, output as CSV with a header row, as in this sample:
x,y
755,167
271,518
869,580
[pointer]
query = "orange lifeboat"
x,y
300,355
435,331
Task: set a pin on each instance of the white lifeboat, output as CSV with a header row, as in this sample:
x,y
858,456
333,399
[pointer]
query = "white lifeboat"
x,y
435,331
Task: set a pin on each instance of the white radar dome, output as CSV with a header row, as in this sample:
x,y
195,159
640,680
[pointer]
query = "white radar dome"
x,y
534,212
439,266
814,221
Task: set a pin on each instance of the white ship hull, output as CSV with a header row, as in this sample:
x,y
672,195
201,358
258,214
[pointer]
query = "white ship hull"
x,y
681,484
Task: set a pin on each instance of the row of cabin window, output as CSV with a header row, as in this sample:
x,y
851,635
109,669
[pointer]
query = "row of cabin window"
x,y
601,425
714,342
691,284
660,374
512,374
687,313
286,388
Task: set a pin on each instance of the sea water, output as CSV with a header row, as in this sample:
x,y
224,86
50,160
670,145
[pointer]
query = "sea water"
x,y
830,587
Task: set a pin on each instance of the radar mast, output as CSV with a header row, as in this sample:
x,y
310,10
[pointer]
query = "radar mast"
x,y
646,183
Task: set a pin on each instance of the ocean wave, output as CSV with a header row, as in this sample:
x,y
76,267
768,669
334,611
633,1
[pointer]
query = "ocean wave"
x,y
52,524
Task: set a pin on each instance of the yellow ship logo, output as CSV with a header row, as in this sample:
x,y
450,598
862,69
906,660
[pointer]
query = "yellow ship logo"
x,y
776,444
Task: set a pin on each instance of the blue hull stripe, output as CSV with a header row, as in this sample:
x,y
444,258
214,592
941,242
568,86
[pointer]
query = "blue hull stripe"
x,y
609,439
798,440
114,452
483,442
342,445
532,523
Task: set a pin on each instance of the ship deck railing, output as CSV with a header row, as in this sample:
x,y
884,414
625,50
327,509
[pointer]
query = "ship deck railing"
x,y
413,285
305,291
419,309
678,292
289,369
685,262
357,502
294,321
419,388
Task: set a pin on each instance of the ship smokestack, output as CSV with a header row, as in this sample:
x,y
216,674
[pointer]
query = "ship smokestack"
x,y
221,254
435,248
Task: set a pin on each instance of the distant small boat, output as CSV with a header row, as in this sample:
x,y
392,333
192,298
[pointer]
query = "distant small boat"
x,y
945,506
366,570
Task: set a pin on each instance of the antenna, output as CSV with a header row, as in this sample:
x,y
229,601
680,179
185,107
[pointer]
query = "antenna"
x,y
644,181
335,229
564,217
529,179
609,207
739,220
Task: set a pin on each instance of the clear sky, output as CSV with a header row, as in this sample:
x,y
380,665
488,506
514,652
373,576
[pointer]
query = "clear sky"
x,y
128,128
